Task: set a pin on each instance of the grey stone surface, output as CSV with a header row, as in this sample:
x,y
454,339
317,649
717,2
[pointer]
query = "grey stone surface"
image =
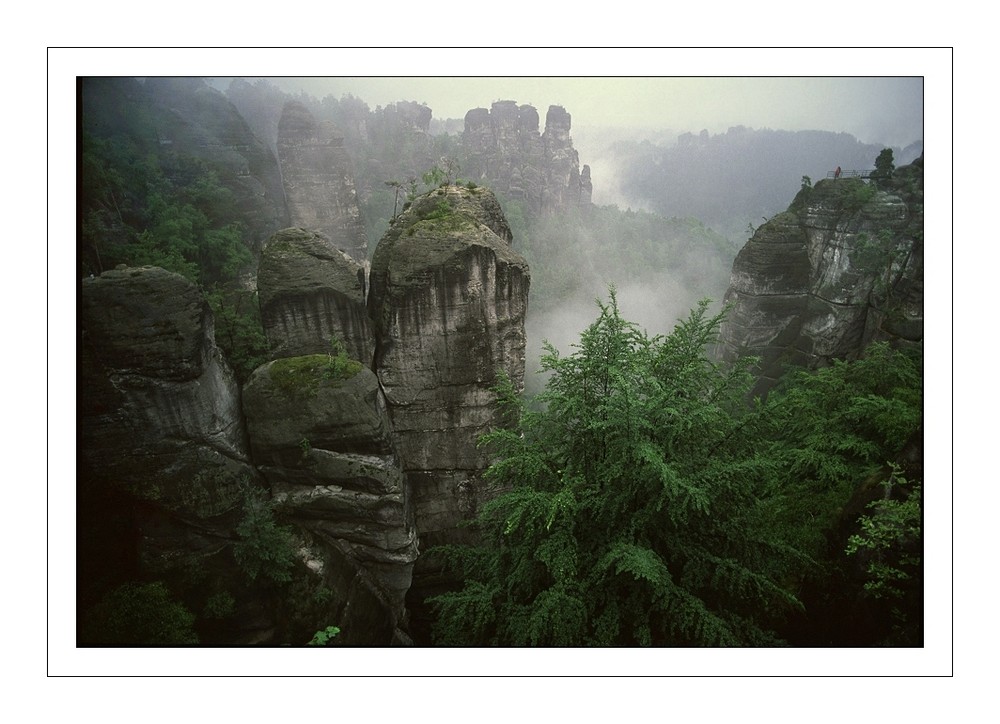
x,y
448,299
319,188
160,408
806,288
311,292
504,148
323,444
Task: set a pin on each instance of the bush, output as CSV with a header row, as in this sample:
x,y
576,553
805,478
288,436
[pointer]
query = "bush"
x,y
139,614
324,637
265,548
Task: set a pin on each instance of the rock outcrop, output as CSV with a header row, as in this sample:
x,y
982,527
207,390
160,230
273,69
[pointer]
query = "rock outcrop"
x,y
320,437
163,449
162,405
503,146
310,292
843,267
319,188
448,300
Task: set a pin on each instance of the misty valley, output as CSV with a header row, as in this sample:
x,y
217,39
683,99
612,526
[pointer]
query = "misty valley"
x,y
361,376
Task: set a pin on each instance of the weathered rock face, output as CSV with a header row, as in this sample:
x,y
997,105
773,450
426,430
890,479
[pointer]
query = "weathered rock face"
x,y
843,267
503,145
166,408
319,189
448,300
320,436
162,444
196,120
309,293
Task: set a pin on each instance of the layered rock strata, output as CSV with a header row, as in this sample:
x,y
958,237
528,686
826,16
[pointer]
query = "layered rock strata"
x,y
318,185
320,437
163,450
311,293
843,267
448,300
161,406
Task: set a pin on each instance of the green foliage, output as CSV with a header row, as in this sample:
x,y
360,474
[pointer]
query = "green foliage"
x,y
324,637
858,194
135,213
884,168
441,210
830,429
238,329
632,515
889,546
339,366
304,376
219,605
264,549
139,614
889,540
649,501
322,595
433,177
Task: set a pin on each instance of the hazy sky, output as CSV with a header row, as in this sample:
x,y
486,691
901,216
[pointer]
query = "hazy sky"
x,y
875,110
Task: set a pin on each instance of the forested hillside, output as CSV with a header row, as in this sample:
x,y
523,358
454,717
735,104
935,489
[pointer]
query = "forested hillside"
x,y
734,181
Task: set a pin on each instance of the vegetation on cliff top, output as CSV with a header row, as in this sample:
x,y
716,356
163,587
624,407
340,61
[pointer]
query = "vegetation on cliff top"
x,y
305,376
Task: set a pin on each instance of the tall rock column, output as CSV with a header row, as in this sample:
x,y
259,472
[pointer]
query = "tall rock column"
x,y
563,186
315,173
448,301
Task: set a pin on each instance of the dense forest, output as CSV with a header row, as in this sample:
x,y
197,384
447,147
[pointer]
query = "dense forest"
x,y
644,495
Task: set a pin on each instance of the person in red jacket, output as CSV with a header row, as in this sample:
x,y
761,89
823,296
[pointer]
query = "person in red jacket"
x,y
836,174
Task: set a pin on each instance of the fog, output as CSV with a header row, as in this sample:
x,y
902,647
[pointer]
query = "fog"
x,y
608,110
605,111
885,110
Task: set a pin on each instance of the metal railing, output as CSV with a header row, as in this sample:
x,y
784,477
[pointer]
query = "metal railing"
x,y
850,174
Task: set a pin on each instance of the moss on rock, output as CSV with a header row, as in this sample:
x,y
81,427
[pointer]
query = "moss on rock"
x,y
303,376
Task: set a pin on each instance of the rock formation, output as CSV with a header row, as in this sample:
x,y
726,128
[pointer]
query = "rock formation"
x,y
843,267
161,400
502,145
348,456
319,188
320,437
310,293
162,445
448,300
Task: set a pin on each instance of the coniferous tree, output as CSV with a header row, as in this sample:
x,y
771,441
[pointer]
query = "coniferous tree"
x,y
632,515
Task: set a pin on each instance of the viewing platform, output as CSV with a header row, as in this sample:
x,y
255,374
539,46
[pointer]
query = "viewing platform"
x,y
850,174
